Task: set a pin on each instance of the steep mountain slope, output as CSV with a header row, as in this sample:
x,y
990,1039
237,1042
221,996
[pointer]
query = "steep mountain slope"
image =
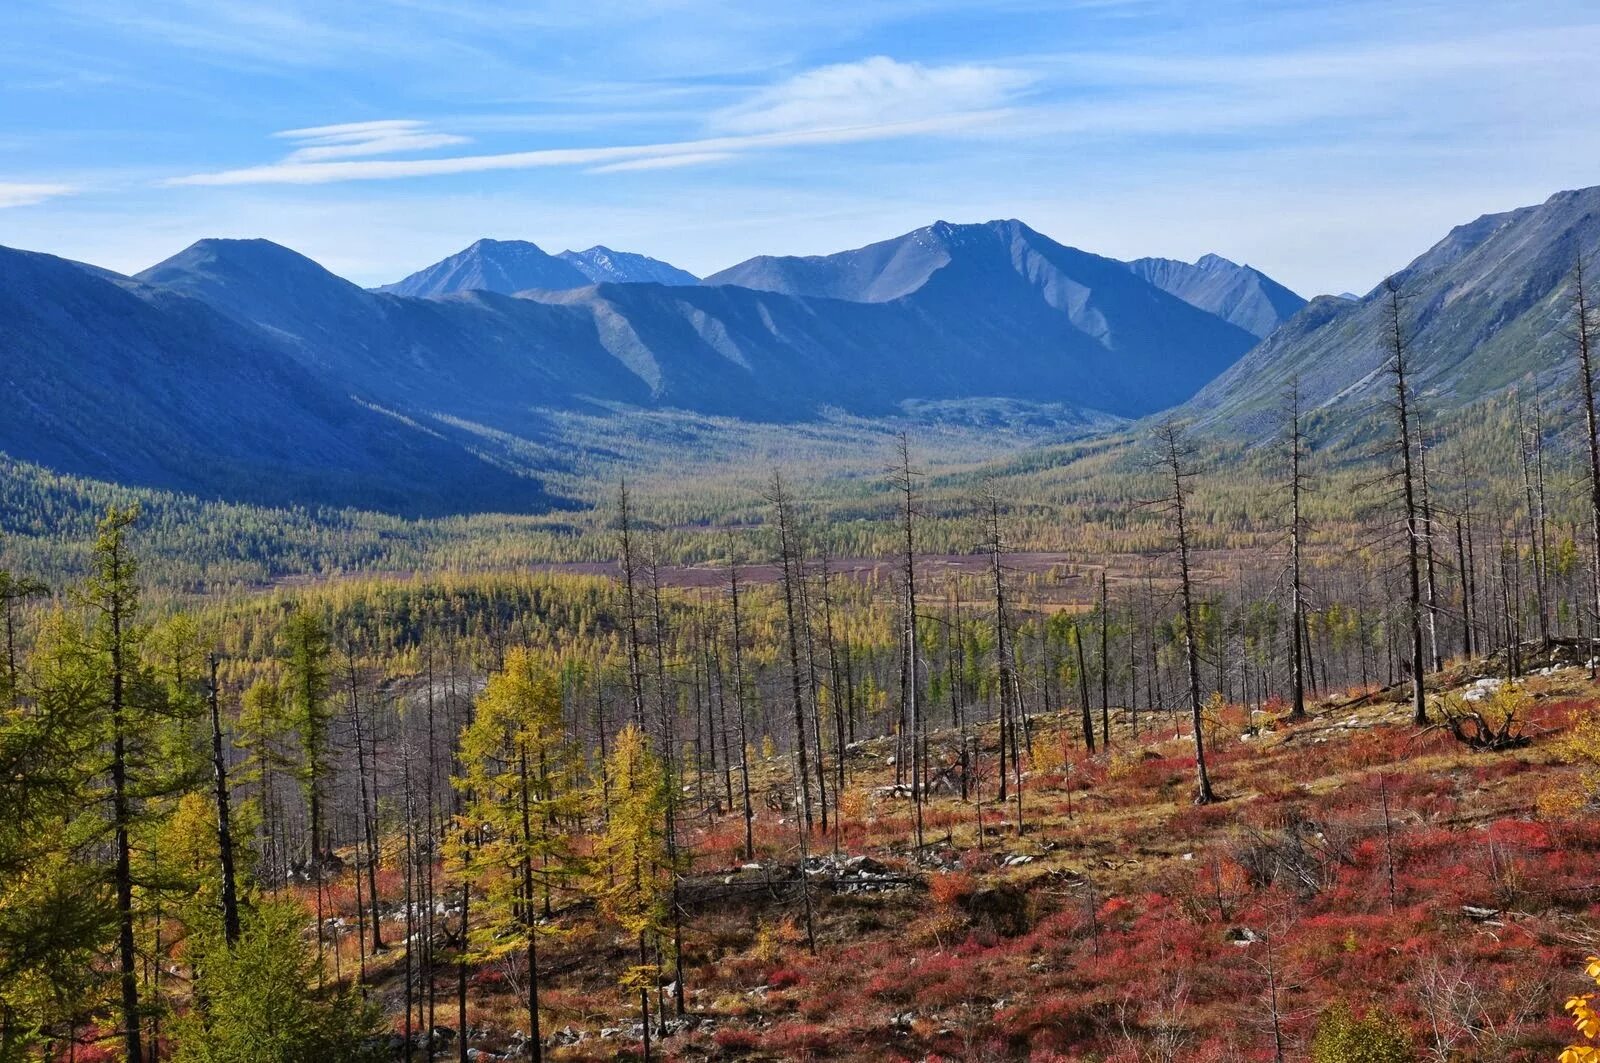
x,y
503,266
996,287
143,385
601,264
1008,314
1486,307
1238,294
477,354
872,274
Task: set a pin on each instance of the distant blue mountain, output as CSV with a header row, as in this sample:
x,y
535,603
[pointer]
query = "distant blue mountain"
x,y
953,311
1241,295
239,367
135,383
504,266
601,264
511,266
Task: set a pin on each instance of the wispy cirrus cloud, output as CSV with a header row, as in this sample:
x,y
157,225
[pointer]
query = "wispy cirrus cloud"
x,y
22,194
874,91
875,99
359,139
665,162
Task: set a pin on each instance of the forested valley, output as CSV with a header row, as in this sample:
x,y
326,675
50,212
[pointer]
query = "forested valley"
x,y
1143,747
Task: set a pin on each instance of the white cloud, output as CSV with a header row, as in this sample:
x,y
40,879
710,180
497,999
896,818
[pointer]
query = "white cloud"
x,y
301,172
359,139
17,194
875,99
665,162
875,91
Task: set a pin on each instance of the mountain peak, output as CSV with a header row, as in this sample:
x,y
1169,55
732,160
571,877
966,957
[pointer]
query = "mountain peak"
x,y
254,262
879,272
1212,260
601,264
1241,295
504,266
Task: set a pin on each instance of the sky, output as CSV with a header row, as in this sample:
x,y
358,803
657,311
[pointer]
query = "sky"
x,y
1326,143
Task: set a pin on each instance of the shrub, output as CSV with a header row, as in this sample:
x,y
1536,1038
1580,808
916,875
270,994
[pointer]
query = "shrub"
x,y
1374,1038
735,1041
951,889
784,978
261,1001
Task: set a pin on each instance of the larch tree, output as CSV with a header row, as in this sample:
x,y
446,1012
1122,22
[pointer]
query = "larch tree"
x,y
262,1002
14,590
58,916
511,754
306,645
631,861
112,593
262,730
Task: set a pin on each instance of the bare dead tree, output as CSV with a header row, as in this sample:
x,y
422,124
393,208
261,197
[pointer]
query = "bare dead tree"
x,y
1105,663
219,767
783,517
736,658
1297,597
1175,456
904,479
1529,449
1005,660
13,590
1583,335
369,802
1401,405
1429,568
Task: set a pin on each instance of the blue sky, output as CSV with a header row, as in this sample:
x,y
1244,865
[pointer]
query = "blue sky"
x,y
1324,142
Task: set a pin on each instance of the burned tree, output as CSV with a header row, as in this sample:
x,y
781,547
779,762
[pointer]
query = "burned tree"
x,y
1174,457
1401,405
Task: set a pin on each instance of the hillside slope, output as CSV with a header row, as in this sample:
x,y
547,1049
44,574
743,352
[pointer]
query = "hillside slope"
x,y
1487,307
125,381
1352,862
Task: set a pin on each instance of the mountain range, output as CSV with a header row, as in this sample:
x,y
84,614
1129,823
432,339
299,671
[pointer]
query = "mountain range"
x,y
254,372
1486,308
241,369
510,266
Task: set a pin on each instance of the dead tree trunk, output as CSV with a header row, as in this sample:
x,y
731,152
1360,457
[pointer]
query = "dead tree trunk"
x,y
1583,336
1297,598
1173,457
219,768
1398,367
